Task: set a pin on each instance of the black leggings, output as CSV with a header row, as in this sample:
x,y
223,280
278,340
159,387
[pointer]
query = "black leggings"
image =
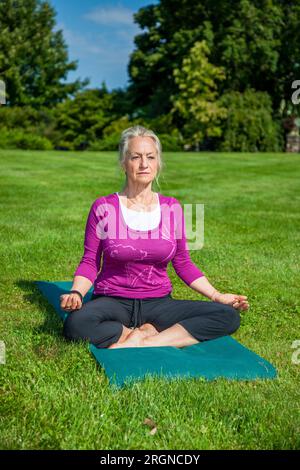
x,y
101,319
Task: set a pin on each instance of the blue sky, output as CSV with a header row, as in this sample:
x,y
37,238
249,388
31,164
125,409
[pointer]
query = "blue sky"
x,y
99,34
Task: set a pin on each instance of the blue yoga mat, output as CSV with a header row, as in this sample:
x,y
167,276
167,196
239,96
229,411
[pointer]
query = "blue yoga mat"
x,y
222,357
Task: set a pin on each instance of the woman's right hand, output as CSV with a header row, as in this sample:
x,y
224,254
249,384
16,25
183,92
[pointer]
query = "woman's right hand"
x,y
237,301
70,302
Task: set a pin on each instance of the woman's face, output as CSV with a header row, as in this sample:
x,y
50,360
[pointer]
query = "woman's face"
x,y
141,163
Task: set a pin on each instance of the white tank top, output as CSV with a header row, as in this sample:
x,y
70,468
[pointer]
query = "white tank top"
x,y
141,220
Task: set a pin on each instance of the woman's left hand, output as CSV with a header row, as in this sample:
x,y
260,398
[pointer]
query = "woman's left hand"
x,y
237,301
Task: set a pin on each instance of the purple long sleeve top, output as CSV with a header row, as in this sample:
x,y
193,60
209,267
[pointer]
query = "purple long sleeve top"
x,y
134,262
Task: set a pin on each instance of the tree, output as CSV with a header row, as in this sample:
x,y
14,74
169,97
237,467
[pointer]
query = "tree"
x,y
80,121
197,100
257,42
249,126
33,57
289,62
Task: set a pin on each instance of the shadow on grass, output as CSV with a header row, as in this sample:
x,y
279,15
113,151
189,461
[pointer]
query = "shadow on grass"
x,y
52,323
48,341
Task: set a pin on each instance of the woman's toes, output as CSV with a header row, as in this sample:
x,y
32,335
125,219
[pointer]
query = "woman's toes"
x,y
148,330
134,340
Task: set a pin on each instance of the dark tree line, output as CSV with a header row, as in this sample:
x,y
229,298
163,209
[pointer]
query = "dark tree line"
x,y
213,74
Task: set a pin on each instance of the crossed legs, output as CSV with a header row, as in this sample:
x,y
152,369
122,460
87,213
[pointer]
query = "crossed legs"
x,y
145,336
181,323
105,322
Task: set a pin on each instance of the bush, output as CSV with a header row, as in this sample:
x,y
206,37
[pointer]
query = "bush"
x,y
80,121
18,117
169,136
25,117
20,139
109,143
249,126
112,133
171,142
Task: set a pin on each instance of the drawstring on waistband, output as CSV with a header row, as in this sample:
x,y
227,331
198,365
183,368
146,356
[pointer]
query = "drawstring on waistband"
x,y
137,313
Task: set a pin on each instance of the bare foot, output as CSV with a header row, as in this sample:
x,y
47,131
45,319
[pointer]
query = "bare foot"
x,y
148,330
134,340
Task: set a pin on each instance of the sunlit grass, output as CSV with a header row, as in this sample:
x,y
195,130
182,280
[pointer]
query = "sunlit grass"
x,y
53,393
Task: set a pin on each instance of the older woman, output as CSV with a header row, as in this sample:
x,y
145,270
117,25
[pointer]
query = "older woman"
x,y
138,232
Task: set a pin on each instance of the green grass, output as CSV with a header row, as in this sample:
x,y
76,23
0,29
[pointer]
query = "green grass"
x,y
53,393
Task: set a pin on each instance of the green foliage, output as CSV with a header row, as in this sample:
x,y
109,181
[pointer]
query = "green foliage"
x,y
33,57
197,100
171,142
26,127
257,43
188,55
80,121
85,122
288,66
250,126
111,134
20,139
171,139
26,117
249,46
16,116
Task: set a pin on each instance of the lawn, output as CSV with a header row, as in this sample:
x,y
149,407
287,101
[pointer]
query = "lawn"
x,y
53,393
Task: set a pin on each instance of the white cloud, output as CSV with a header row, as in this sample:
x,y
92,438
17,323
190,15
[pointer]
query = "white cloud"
x,y
110,15
79,42
101,54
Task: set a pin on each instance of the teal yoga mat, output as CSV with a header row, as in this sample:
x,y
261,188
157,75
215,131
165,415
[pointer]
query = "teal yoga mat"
x,y
222,357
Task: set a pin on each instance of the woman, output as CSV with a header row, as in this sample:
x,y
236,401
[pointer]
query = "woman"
x,y
138,232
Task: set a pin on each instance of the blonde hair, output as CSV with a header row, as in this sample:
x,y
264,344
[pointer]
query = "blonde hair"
x,y
139,131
